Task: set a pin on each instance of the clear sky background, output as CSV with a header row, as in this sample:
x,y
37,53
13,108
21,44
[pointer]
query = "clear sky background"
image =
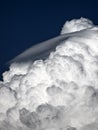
x,y
27,22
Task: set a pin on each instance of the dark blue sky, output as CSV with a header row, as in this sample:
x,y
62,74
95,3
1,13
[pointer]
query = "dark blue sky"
x,y
27,22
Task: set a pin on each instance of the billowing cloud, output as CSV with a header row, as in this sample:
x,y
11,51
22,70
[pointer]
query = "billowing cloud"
x,y
76,25
58,93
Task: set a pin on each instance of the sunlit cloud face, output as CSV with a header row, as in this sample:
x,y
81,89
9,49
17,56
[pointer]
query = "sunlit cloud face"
x,y
58,93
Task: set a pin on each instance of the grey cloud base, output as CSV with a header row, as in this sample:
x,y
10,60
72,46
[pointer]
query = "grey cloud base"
x,y
59,92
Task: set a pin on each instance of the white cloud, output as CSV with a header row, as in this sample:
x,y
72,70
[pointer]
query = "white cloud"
x,y
76,25
59,93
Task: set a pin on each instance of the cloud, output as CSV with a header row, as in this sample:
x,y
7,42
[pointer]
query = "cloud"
x,y
76,25
58,93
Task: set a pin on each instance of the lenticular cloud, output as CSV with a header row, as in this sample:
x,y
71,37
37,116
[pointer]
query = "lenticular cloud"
x,y
58,93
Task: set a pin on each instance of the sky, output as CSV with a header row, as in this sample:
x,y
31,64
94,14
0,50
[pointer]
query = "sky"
x,y
27,22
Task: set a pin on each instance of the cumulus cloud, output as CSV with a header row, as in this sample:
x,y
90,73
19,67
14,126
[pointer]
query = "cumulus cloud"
x,y
58,93
76,25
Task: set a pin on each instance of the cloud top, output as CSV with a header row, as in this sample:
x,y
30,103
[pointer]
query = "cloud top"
x,y
76,25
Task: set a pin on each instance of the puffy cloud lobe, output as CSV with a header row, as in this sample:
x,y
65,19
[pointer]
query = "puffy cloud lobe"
x,y
59,93
76,25
7,98
46,116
